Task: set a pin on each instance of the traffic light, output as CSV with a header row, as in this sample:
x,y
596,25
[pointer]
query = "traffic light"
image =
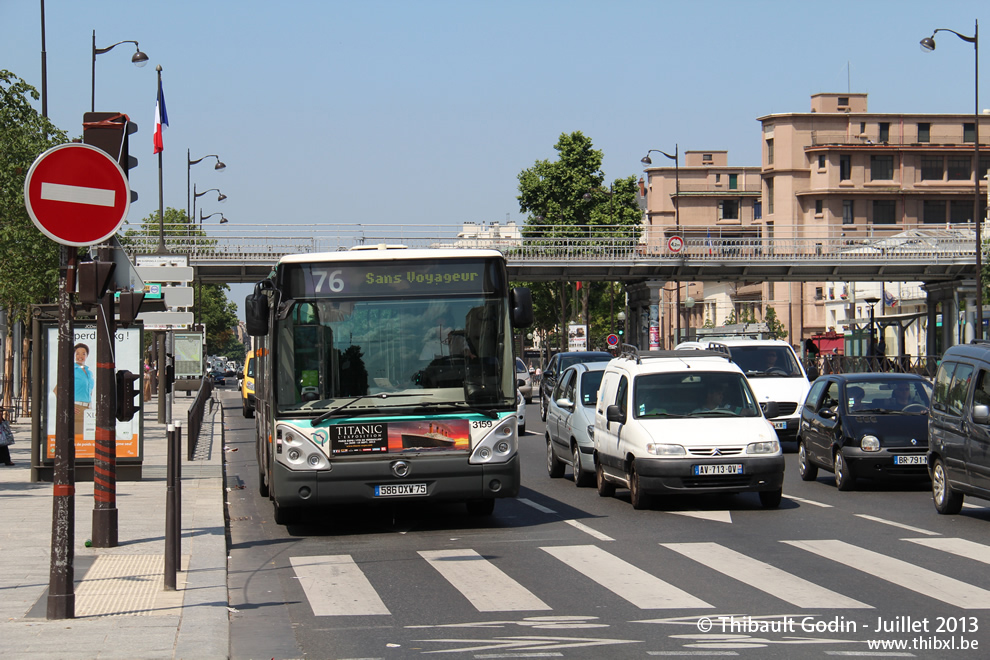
x,y
126,392
128,305
109,131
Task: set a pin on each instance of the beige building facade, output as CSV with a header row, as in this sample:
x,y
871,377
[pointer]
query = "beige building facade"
x,y
837,171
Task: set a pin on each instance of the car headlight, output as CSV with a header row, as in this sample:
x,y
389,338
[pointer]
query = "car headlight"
x,y
659,449
765,447
870,443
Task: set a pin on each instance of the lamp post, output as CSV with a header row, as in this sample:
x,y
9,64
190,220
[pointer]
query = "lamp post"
x,y
139,59
219,167
928,44
223,220
677,216
872,301
220,198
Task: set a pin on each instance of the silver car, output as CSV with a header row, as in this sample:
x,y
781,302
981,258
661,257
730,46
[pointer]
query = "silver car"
x,y
571,422
522,373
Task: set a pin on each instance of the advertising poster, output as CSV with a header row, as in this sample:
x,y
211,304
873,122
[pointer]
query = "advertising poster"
x,y
127,352
412,435
576,338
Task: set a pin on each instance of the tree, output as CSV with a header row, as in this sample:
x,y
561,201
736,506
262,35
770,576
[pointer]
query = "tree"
x,y
568,204
30,261
775,329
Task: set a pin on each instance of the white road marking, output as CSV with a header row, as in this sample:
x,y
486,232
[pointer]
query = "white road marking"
x,y
335,586
58,192
587,530
769,579
961,547
811,502
902,573
623,579
538,507
717,516
909,528
481,582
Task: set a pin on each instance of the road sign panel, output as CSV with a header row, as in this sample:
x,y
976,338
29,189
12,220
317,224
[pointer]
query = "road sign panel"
x,y
675,244
612,340
167,320
76,194
165,273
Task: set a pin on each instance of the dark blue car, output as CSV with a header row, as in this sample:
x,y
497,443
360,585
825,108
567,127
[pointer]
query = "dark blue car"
x,y
218,378
871,426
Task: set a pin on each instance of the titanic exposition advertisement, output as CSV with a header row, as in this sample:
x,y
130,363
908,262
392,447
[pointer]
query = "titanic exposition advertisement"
x,y
394,437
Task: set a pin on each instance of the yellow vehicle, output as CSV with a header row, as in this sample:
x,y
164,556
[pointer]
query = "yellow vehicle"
x,y
247,385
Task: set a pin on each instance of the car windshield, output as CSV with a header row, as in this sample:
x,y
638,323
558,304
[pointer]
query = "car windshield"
x,y
694,394
766,361
578,358
887,396
590,383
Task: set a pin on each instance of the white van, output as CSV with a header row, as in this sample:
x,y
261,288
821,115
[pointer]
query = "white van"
x,y
683,422
775,374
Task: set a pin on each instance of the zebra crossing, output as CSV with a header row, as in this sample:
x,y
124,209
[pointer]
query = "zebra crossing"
x,y
337,585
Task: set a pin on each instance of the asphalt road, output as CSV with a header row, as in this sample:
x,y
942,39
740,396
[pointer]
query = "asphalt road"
x,y
562,572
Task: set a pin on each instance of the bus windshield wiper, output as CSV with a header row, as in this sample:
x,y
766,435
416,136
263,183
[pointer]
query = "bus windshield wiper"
x,y
462,406
383,395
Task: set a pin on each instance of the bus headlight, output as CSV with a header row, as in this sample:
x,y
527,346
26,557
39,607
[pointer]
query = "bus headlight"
x,y
300,451
499,445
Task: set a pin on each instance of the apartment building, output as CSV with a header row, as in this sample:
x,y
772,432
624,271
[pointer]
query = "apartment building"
x,y
837,171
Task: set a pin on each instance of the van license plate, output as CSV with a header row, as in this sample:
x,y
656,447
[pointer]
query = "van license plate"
x,y
391,490
780,426
910,460
709,470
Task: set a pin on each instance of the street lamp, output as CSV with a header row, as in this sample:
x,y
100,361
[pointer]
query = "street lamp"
x,y
139,59
928,44
872,301
646,160
223,220
220,198
219,167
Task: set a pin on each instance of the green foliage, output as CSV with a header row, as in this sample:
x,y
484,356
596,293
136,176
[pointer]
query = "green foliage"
x,y
774,326
29,265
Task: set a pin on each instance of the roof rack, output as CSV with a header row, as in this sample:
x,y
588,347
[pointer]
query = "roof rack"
x,y
630,352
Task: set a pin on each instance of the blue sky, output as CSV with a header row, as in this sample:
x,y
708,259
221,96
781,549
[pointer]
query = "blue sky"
x,y
424,112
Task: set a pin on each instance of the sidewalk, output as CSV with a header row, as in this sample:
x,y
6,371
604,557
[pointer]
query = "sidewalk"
x,y
121,607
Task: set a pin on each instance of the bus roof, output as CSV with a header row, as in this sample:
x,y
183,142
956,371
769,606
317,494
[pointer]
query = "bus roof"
x,y
389,253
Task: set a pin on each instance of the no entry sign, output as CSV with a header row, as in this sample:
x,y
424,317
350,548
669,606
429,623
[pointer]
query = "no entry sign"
x,y
77,194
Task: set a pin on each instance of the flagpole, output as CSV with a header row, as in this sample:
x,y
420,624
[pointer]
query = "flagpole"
x,y
161,198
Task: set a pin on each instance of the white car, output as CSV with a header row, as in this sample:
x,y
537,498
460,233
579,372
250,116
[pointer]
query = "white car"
x,y
775,374
571,422
683,422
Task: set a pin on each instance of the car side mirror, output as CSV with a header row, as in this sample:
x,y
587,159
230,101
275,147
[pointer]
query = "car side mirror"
x,y
565,403
614,413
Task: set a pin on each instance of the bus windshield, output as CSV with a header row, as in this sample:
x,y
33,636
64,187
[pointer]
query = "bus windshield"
x,y
372,353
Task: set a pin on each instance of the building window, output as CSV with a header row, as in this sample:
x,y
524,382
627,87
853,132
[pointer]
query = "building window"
x,y
757,210
931,168
934,211
733,181
770,196
958,168
847,212
884,212
843,100
818,207
770,152
819,293
821,161
718,179
984,167
924,132
881,168
884,131
706,158
845,167
862,128
728,209
969,132
961,211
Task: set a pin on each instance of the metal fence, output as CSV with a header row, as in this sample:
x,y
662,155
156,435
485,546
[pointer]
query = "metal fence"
x,y
923,365
194,418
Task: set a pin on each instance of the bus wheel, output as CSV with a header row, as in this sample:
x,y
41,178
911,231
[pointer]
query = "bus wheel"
x,y
481,507
285,515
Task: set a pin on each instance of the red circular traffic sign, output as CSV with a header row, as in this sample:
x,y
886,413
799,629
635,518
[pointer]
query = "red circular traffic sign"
x,y
77,194
675,244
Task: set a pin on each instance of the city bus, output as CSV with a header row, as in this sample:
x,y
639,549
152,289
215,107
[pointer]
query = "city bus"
x,y
385,374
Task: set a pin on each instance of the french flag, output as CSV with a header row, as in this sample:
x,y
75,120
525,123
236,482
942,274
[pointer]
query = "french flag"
x,y
161,119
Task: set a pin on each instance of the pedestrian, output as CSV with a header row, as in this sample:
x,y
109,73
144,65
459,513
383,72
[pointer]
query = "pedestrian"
x,y
6,439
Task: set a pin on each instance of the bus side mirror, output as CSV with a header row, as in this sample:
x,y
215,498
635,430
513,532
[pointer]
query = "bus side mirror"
x,y
256,312
521,302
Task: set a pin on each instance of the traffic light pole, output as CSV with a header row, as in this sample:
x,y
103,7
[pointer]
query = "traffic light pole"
x,y
61,594
105,463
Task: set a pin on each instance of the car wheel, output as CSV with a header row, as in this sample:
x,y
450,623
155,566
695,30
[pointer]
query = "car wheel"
x,y
637,497
770,499
581,477
554,467
947,501
605,488
844,480
806,470
480,507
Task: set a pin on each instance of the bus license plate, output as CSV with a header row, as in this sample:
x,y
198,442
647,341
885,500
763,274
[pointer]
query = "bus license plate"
x,y
780,426
910,460
709,470
392,490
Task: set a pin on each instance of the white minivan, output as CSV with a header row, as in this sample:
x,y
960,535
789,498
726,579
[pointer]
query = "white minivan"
x,y
683,422
775,374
